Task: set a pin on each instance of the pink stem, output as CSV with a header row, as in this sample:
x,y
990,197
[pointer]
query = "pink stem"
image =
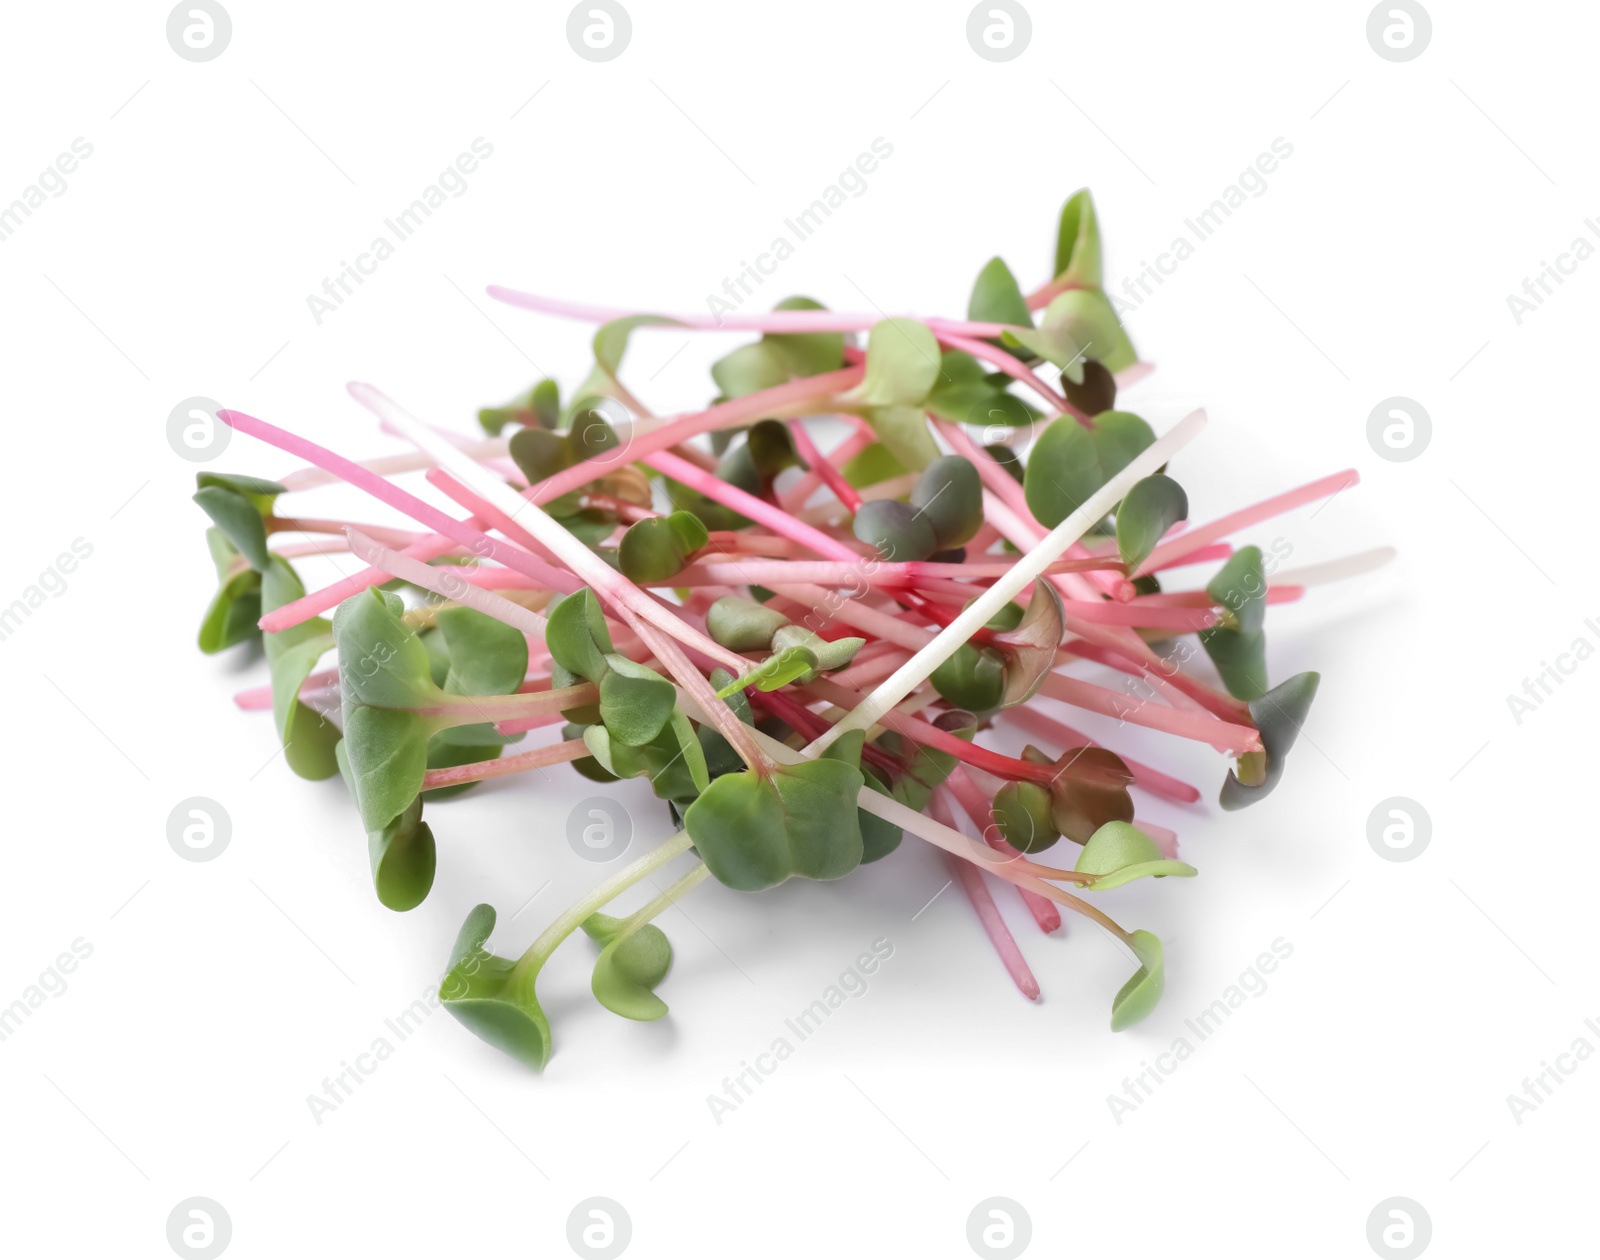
x,y
973,804
988,913
1245,517
1017,370
842,489
1063,737
498,767
795,498
746,504
774,321
1204,727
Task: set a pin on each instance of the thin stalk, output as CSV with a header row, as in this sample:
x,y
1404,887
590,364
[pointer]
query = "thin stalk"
x,y
915,671
994,927
570,919
499,767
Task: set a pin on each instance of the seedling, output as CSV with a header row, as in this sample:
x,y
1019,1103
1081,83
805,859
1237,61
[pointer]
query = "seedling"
x,y
807,653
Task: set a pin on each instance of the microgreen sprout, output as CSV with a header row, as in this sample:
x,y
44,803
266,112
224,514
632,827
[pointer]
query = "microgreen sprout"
x,y
806,644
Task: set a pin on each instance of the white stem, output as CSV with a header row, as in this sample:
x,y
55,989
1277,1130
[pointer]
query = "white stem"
x,y
900,684
444,581
1336,570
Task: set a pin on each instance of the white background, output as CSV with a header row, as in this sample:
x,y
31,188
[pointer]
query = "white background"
x,y
1377,263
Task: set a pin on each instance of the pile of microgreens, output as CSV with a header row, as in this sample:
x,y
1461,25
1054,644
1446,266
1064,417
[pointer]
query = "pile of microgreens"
x,y
801,650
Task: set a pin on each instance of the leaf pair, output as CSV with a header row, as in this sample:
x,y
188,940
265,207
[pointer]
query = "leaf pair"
x,y
540,405
903,367
1278,715
655,549
1010,667
630,966
237,506
778,357
754,831
1238,645
635,701
1070,462
1119,853
966,394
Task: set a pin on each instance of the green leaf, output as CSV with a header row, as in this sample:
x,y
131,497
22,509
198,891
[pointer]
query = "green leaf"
x,y
1240,588
1119,852
485,993
778,357
902,365
972,677
904,433
895,530
786,666
629,967
831,654
1238,646
1150,509
657,548
258,490
1022,812
487,657
879,837
1278,715
381,660
387,751
635,701
236,607
874,464
1087,317
611,339
996,299
673,762
950,495
1136,999
1070,462
240,519
308,738
576,634
1078,241
403,859
754,832
749,369
742,625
